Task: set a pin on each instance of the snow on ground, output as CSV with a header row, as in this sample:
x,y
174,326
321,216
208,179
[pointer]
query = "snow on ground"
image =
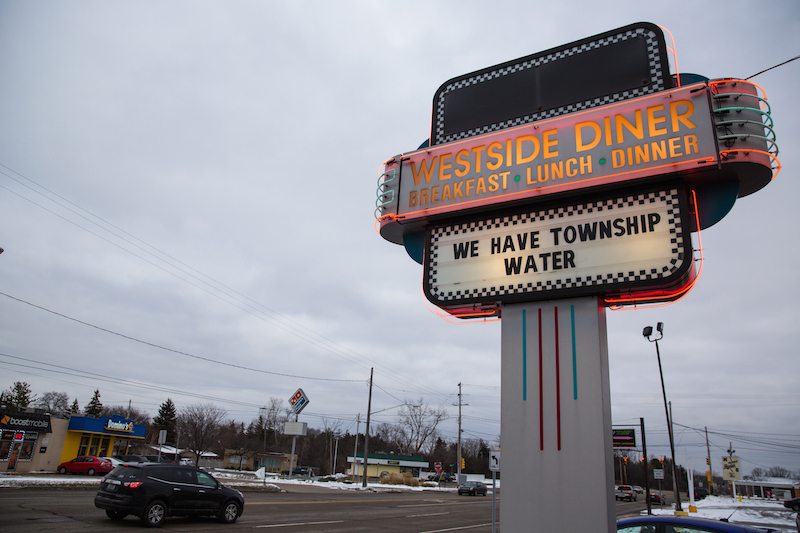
x,y
751,511
229,478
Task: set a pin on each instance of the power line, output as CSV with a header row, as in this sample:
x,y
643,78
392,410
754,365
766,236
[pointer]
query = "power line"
x,y
770,68
154,345
240,301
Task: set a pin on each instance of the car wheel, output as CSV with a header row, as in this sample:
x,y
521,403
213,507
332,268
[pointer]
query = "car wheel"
x,y
62,470
229,513
90,471
154,513
115,515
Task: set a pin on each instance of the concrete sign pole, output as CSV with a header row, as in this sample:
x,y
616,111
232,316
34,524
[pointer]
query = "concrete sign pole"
x,y
556,417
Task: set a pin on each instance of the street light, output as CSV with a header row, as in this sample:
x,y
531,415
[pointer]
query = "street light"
x,y
648,332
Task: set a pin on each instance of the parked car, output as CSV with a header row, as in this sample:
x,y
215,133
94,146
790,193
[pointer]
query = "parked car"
x,y
300,471
132,458
625,492
114,461
793,504
442,477
473,488
86,464
662,523
154,491
143,459
657,497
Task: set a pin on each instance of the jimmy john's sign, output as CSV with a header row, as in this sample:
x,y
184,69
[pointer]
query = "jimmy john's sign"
x,y
637,242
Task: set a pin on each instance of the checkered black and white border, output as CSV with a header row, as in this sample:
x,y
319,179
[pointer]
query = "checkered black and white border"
x,y
670,197
657,84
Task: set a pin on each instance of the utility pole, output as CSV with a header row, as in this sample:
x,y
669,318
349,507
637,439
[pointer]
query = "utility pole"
x,y
263,413
366,433
708,461
674,459
355,452
458,459
731,451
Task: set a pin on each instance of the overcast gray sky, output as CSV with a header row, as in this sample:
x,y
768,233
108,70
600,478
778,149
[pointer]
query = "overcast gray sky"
x,y
186,207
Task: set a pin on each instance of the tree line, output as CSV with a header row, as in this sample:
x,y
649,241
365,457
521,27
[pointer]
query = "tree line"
x,y
205,427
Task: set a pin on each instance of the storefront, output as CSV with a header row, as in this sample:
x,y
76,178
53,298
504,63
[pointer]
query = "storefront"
x,y
101,437
379,464
26,440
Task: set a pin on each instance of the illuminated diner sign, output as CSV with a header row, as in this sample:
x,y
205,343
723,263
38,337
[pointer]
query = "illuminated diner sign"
x,y
662,133
636,241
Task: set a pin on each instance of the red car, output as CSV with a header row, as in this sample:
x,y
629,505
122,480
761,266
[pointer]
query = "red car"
x,y
86,464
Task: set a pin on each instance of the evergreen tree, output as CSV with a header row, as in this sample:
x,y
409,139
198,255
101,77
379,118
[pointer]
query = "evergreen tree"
x,y
75,409
19,396
94,407
167,418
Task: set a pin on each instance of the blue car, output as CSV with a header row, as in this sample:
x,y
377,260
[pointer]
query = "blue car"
x,y
683,524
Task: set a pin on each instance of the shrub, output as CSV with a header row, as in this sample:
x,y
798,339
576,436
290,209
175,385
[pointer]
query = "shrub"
x,y
399,479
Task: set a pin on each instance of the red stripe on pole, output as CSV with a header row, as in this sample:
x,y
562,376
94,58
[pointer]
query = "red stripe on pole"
x,y
558,383
541,383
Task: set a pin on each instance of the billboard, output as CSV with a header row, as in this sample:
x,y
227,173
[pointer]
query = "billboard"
x,y
637,241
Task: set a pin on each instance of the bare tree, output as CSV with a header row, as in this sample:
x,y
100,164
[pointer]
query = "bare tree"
x,y
199,427
332,430
779,471
391,434
55,403
275,417
418,423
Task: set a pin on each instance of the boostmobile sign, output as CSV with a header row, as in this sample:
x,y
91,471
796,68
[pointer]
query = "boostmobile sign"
x,y
633,241
662,133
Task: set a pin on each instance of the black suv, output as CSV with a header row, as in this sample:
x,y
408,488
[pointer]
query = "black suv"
x,y
157,490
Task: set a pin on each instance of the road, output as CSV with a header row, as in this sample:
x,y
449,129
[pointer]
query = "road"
x,y
303,509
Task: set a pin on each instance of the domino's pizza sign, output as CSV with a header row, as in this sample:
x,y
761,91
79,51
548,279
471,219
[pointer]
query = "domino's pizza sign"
x,y
298,401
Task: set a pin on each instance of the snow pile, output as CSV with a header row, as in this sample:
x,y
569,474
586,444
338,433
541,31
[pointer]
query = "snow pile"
x,y
750,511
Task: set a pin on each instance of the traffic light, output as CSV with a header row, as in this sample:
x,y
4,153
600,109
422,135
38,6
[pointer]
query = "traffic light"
x,y
625,459
463,464
708,461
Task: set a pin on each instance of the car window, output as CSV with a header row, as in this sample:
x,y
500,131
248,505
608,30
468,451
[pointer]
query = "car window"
x,y
683,529
163,474
206,480
124,472
183,475
638,528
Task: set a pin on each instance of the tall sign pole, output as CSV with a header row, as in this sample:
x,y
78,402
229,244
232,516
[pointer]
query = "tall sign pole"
x,y
645,463
556,416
